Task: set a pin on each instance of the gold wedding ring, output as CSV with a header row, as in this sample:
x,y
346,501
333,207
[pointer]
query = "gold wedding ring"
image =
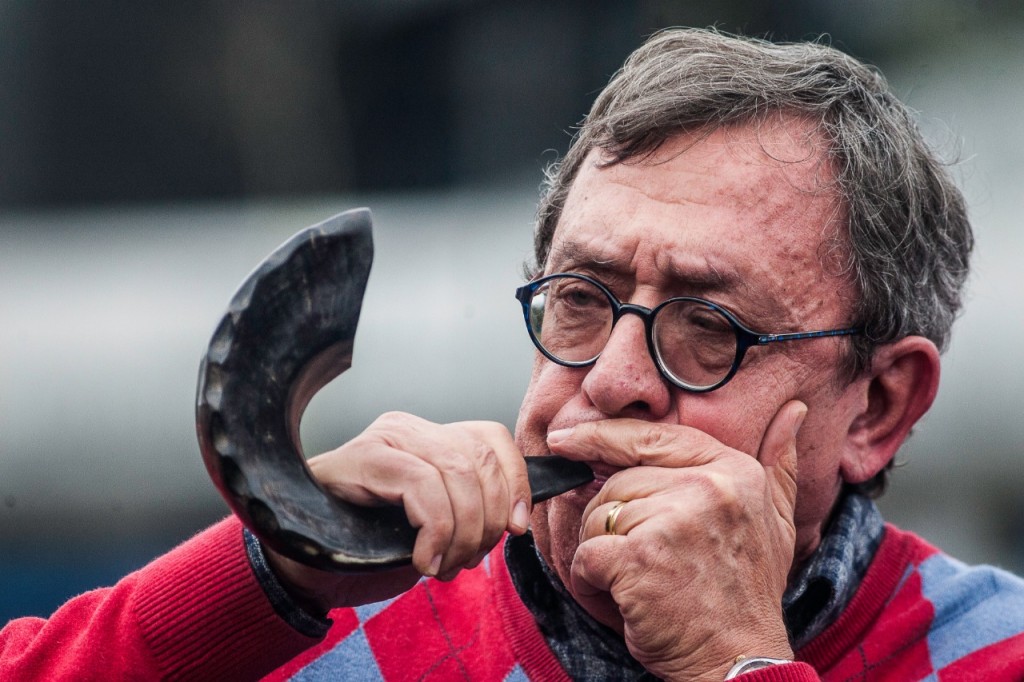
x,y
613,516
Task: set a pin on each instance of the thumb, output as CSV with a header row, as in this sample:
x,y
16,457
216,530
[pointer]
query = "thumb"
x,y
778,454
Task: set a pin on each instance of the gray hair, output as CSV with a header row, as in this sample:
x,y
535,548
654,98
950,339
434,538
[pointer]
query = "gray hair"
x,y
908,240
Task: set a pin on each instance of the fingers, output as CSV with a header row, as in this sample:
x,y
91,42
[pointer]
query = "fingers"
x,y
371,473
684,458
595,571
631,442
513,470
687,531
778,456
779,439
459,484
687,537
609,518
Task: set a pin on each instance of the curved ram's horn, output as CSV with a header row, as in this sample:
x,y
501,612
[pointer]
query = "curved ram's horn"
x,y
287,332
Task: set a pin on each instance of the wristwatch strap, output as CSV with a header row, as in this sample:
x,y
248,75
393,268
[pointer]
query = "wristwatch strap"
x,y
746,665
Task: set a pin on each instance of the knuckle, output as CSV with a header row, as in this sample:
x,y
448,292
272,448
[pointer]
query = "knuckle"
x,y
726,489
485,454
458,466
656,440
391,418
390,425
726,497
497,431
491,535
718,488
583,559
442,527
487,428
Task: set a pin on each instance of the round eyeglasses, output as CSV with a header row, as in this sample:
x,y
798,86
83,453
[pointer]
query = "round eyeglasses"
x,y
697,345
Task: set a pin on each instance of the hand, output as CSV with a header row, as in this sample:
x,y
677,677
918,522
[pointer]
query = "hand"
x,y
695,573
462,485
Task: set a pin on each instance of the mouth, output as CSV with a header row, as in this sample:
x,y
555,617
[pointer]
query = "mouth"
x,y
551,475
602,472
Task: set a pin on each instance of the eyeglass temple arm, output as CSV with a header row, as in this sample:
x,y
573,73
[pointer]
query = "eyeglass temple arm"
x,y
763,339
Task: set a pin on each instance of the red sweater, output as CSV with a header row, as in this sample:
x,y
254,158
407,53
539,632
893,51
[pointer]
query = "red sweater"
x,y
918,615
196,613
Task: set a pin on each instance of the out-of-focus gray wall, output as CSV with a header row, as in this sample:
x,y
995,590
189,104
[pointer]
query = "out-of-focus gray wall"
x,y
151,154
965,464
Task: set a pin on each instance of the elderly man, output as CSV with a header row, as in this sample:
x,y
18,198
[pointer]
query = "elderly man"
x,y
746,266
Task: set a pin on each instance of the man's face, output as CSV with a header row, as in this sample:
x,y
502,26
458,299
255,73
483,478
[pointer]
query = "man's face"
x,y
744,217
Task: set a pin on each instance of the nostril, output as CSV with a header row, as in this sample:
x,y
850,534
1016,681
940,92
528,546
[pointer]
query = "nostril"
x,y
637,408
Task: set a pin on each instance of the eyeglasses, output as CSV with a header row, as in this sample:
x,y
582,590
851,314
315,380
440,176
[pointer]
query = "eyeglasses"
x,y
697,345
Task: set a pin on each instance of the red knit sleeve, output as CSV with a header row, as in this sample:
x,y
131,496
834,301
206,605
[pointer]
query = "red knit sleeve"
x,y
196,613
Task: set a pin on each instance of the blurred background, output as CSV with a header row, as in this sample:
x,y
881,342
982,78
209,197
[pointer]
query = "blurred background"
x,y
152,153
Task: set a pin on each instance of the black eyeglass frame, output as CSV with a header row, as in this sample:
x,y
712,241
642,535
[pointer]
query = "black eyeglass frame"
x,y
745,337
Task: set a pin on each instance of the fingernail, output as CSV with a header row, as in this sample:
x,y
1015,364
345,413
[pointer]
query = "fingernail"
x,y
799,421
556,437
521,515
435,566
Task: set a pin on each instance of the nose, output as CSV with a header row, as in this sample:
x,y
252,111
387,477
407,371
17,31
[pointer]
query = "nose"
x,y
624,382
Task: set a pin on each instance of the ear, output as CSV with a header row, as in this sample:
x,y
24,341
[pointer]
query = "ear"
x,y
898,389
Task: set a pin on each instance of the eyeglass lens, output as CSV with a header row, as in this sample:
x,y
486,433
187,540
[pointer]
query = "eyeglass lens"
x,y
572,320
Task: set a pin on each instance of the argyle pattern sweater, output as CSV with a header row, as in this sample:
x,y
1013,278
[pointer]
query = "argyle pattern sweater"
x,y
917,615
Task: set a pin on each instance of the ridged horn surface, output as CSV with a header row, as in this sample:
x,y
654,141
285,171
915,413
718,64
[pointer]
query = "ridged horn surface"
x,y
288,331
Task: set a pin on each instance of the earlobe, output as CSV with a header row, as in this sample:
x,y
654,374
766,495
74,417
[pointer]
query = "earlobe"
x,y
898,389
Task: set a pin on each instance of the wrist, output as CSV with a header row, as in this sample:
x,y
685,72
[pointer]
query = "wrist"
x,y
766,650
714,666
294,580
309,621
746,664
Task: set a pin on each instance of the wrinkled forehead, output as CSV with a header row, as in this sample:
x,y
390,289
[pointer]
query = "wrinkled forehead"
x,y
777,165
752,205
778,155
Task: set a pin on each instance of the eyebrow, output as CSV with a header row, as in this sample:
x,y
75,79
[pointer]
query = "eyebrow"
x,y
695,273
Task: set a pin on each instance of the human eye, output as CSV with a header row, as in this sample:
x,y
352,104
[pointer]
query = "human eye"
x,y
707,321
576,318
696,341
579,296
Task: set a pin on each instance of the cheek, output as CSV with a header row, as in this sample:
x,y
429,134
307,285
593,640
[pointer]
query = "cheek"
x,y
551,388
737,419
742,430
819,450
556,522
739,414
